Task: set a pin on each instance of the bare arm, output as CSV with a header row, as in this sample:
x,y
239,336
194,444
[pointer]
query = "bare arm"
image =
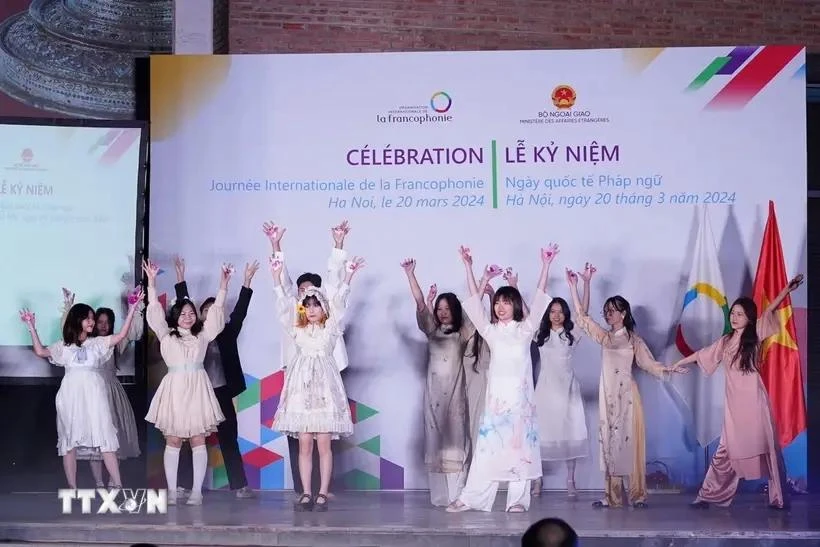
x,y
472,287
123,335
791,286
409,266
39,349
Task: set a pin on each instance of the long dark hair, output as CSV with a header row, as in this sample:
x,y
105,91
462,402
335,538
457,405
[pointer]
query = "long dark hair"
x,y
749,348
511,295
545,328
456,312
621,304
109,313
176,311
73,326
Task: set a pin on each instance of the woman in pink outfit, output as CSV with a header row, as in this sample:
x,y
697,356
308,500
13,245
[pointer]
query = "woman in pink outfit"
x,y
748,446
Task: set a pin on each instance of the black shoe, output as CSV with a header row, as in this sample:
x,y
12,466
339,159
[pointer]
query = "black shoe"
x,y
699,505
321,507
305,503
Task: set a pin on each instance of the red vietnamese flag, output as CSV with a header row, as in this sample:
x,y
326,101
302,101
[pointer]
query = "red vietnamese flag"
x,y
780,358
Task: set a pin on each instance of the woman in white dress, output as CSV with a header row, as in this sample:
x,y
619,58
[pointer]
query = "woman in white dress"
x,y
507,447
562,424
446,418
313,404
121,409
84,417
184,406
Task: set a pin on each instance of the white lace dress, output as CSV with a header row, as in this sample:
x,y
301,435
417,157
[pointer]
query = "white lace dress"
x,y
313,398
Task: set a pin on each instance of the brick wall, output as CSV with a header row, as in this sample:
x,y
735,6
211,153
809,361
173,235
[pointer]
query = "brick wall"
x,y
280,26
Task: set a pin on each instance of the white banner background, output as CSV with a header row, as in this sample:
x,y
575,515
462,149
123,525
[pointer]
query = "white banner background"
x,y
286,118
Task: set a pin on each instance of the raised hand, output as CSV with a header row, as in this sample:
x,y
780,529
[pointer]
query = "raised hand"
x,y
273,232
339,232
511,277
795,282
355,265
151,270
431,294
488,290
226,272
493,270
589,270
466,255
27,317
68,298
572,277
408,265
548,253
179,266
135,296
250,271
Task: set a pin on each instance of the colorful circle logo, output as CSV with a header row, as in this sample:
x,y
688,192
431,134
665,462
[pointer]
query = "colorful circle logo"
x,y
691,295
441,102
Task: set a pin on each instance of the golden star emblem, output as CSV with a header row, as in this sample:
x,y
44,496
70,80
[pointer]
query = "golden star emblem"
x,y
782,336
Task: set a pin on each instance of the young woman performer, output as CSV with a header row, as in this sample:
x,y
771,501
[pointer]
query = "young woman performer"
x,y
446,419
313,403
562,424
84,417
121,409
184,406
748,446
621,423
507,447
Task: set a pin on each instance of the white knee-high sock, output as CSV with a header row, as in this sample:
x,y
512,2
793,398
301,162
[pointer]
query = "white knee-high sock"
x,y
200,461
170,461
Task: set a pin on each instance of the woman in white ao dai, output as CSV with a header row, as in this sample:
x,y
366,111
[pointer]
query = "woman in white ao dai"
x,y
562,426
507,445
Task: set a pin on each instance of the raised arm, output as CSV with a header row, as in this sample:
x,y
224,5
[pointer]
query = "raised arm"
x,y
154,313
792,285
122,336
68,301
593,329
338,302
214,321
27,317
586,275
240,309
181,287
540,300
472,287
275,234
285,303
409,267
338,257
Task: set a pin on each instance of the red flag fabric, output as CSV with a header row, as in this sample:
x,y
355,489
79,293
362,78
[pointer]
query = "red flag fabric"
x,y
780,359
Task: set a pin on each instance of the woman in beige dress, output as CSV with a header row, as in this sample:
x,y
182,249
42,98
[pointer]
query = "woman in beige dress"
x,y
476,364
621,420
748,446
185,406
446,419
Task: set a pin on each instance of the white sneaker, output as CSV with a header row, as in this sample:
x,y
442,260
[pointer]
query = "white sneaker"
x,y
195,499
245,493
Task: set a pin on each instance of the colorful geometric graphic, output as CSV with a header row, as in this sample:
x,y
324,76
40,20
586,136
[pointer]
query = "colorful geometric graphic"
x,y
357,461
111,146
762,66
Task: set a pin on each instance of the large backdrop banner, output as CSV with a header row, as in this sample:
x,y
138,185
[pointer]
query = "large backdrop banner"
x,y
619,156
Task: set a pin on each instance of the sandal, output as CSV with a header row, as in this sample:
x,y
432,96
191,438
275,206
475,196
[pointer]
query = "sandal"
x,y
517,508
457,507
321,507
572,493
600,504
536,487
305,503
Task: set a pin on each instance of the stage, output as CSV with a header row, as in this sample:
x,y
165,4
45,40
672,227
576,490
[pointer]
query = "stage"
x,y
405,519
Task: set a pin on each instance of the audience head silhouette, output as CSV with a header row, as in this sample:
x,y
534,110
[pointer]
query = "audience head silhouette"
x,y
550,532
